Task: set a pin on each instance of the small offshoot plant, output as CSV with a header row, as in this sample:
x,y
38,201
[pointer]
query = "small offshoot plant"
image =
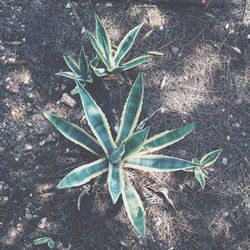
x,y
112,62
80,70
130,149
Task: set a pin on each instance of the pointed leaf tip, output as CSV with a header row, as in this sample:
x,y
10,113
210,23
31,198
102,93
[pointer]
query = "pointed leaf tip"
x,y
96,120
134,207
131,110
167,138
83,174
72,64
83,64
126,44
200,177
135,142
210,158
115,181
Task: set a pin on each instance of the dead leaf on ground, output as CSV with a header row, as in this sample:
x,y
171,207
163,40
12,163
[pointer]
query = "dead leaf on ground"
x,y
163,82
165,192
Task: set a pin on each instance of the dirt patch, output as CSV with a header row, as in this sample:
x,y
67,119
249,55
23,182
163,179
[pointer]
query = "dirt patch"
x,y
203,54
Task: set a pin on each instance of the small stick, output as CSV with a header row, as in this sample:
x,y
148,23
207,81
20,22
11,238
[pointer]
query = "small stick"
x,y
244,10
143,123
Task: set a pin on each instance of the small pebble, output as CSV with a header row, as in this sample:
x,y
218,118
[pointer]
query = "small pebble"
x,y
28,147
123,243
7,79
83,30
237,125
3,200
42,223
2,150
108,5
225,214
174,50
68,100
224,161
28,216
12,87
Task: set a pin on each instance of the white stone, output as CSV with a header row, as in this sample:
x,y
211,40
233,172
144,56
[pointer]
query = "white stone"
x,y
224,160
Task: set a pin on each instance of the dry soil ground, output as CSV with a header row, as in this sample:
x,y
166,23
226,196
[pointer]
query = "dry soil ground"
x,y
204,59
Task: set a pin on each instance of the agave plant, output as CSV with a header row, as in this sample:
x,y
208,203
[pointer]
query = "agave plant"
x,y
113,62
130,149
79,70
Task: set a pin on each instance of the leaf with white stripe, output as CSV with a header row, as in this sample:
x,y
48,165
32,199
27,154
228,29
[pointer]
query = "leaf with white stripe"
x,y
100,72
126,44
200,176
134,63
135,142
167,138
70,75
99,49
134,207
75,90
75,133
131,110
83,64
104,41
115,181
72,64
158,163
94,62
210,158
83,174
96,120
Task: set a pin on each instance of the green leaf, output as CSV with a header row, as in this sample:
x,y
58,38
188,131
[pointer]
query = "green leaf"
x,y
41,240
158,163
72,64
51,243
70,75
126,44
117,70
74,91
131,110
115,181
83,174
200,177
83,64
134,207
135,142
99,50
96,120
75,133
210,158
134,63
94,62
167,138
104,41
100,72
117,154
